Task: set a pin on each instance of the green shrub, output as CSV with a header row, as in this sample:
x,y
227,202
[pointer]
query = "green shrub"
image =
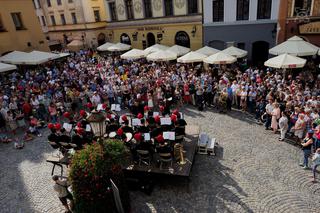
x,y
90,173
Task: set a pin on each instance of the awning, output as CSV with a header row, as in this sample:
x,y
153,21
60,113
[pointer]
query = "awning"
x,y
133,54
33,58
119,47
235,52
220,58
105,46
207,50
162,55
155,48
13,57
7,67
179,50
75,45
285,61
295,46
192,57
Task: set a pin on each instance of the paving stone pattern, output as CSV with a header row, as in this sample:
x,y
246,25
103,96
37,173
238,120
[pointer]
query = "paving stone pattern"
x,y
252,172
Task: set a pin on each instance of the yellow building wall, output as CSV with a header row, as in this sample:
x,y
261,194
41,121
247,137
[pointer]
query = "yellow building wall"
x,y
14,39
169,34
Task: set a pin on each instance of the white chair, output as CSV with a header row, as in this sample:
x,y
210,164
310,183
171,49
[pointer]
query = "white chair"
x,y
210,146
202,143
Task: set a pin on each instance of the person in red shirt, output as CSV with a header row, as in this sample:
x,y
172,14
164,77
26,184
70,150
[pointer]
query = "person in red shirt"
x,y
27,109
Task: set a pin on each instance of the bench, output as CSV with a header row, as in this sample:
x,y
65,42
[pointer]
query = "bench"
x,y
210,146
57,161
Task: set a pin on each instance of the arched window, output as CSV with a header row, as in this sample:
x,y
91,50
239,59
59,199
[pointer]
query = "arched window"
x,y
124,38
182,39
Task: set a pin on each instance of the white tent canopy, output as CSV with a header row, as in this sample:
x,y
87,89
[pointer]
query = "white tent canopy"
x,y
179,50
7,67
220,58
155,48
133,54
207,50
119,47
285,61
162,55
295,46
44,55
105,46
75,45
13,57
192,57
235,52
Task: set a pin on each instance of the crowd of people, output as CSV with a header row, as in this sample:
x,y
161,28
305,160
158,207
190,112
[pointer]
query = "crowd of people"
x,y
40,95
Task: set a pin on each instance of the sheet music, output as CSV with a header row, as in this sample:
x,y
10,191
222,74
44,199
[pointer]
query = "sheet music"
x,y
67,127
136,122
169,136
88,128
113,107
165,121
181,115
155,114
100,107
147,136
118,108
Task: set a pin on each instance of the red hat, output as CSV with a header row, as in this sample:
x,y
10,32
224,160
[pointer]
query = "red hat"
x,y
104,106
139,116
124,118
157,119
160,139
146,108
79,125
120,131
83,113
80,131
50,125
66,114
109,116
173,118
176,112
161,108
89,105
138,136
57,126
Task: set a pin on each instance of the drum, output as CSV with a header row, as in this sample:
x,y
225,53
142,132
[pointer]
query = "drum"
x,y
112,134
129,136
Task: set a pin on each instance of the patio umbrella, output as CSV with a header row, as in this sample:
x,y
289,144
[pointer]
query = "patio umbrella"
x,y
133,54
7,67
192,57
162,55
75,45
220,58
119,47
155,48
295,46
105,46
207,50
285,61
235,52
179,50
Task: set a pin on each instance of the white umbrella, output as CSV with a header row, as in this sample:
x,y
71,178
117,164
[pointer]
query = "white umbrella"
x,y
207,50
192,57
155,48
285,61
133,54
75,45
179,50
105,46
220,58
162,55
119,47
7,67
295,46
236,52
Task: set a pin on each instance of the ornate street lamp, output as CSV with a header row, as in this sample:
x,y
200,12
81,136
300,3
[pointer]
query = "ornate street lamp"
x,y
97,123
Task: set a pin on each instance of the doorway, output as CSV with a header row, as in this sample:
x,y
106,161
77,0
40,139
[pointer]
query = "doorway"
x,y
151,40
260,52
101,39
182,39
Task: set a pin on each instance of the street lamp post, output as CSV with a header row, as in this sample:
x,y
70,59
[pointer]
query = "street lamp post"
x,y
97,123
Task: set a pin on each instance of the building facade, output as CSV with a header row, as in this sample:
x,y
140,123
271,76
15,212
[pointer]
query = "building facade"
x,y
248,24
69,20
300,17
142,23
19,27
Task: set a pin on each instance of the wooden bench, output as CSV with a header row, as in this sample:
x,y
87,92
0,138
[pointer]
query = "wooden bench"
x,y
57,161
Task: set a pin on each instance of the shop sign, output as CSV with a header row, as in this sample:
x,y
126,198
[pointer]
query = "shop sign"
x,y
310,28
149,28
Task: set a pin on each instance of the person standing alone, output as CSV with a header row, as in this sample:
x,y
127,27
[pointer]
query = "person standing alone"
x,y
61,187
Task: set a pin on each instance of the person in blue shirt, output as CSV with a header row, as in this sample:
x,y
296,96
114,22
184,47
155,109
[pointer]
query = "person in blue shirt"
x,y
230,96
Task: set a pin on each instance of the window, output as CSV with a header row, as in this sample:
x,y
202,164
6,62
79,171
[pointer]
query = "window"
x,y
58,2
264,9
218,13
96,15
63,19
168,6
243,9
74,18
192,6
302,7
16,17
147,8
49,3
43,21
53,20
113,12
1,25
129,9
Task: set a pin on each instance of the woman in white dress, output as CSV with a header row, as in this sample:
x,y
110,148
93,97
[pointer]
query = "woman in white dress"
x,y
283,124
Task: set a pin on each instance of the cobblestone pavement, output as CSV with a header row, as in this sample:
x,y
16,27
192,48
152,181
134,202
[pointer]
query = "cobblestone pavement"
x,y
252,172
